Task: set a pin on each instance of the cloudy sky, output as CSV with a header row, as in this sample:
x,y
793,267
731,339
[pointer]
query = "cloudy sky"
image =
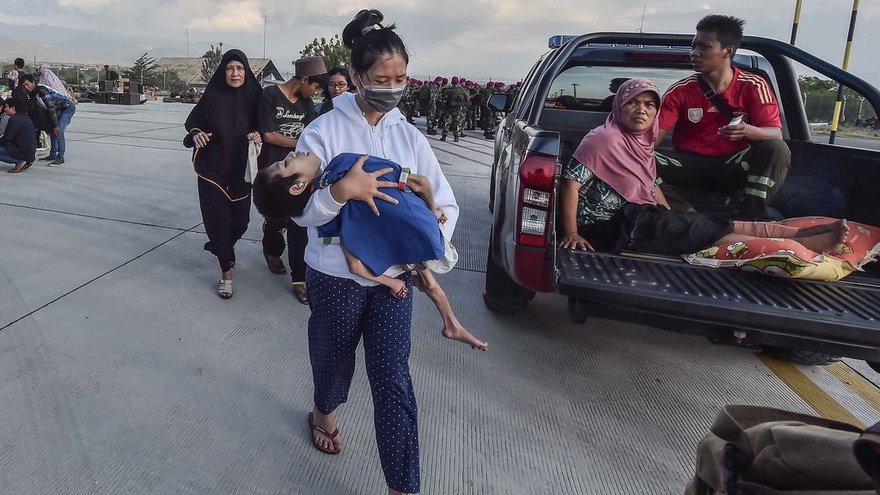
x,y
472,38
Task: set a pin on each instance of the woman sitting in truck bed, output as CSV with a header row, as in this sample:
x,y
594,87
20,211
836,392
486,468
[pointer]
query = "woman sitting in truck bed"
x,y
610,199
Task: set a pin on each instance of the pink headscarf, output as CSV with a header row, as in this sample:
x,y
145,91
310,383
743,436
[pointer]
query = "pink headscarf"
x,y
621,158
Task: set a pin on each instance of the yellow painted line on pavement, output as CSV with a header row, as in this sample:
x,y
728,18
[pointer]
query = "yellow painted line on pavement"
x,y
860,386
812,394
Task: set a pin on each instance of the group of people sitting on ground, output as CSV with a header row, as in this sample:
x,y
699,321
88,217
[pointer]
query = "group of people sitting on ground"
x,y
728,137
32,109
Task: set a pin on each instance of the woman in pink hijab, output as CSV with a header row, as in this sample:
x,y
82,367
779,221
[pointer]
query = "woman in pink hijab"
x,y
610,199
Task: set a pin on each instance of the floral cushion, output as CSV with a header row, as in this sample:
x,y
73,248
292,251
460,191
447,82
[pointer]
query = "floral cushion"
x,y
788,258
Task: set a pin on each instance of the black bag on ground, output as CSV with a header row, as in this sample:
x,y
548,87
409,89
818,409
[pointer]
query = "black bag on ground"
x,y
753,450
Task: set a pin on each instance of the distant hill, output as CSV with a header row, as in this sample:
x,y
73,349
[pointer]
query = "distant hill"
x,y
50,44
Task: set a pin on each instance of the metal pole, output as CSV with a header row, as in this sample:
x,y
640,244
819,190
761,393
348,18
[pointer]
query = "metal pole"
x,y
797,19
642,24
838,106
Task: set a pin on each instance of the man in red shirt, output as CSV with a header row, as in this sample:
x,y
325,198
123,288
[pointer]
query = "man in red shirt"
x,y
712,150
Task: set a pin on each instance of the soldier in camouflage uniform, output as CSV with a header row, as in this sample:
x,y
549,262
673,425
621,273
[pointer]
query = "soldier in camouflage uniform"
x,y
415,111
442,112
478,99
407,102
487,117
456,106
424,97
473,104
514,91
433,98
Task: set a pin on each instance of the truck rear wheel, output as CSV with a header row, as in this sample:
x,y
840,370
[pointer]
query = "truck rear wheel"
x,y
502,294
796,356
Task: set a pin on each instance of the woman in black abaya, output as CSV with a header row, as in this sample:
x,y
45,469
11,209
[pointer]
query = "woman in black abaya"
x,y
220,127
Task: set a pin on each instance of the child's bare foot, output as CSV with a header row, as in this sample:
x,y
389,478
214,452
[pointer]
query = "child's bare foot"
x,y
817,229
459,333
829,241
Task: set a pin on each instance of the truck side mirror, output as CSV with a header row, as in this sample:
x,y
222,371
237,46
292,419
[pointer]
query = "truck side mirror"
x,y
498,102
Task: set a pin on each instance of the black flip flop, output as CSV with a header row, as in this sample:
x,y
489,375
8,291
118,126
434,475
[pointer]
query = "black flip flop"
x,y
299,290
275,264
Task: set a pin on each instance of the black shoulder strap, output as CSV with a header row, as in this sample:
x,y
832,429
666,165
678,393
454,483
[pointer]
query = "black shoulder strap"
x,y
713,97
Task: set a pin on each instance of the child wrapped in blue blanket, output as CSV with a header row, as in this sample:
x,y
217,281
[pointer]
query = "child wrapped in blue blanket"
x,y
373,237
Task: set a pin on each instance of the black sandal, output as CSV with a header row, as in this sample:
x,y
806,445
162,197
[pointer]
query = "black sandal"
x,y
275,264
299,290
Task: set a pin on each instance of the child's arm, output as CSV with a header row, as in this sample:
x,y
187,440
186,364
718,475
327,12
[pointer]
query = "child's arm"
x,y
444,199
422,188
356,266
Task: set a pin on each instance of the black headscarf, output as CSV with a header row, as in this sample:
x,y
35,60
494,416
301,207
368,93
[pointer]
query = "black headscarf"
x,y
229,114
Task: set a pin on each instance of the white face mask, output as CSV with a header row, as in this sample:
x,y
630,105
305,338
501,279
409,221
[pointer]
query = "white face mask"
x,y
382,98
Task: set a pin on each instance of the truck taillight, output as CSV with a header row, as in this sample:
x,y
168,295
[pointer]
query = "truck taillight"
x,y
537,180
538,170
534,221
537,198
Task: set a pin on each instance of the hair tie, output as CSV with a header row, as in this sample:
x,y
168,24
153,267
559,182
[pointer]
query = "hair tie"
x,y
367,29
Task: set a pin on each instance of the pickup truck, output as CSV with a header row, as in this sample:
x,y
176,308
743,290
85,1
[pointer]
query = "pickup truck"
x,y
564,97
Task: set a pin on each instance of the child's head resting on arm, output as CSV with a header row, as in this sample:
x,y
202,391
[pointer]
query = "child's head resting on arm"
x,y
279,188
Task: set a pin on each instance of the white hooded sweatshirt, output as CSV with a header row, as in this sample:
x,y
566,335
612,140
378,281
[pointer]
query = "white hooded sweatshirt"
x,y
345,130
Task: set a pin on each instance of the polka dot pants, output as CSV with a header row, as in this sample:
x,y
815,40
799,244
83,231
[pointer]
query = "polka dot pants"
x,y
342,312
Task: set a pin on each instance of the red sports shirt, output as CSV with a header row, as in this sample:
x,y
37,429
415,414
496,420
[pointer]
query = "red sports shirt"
x,y
696,120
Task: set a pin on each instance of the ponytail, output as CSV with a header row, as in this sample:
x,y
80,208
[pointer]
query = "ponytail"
x,y
368,40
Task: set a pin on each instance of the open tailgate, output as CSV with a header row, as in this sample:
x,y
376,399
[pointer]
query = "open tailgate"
x,y
841,318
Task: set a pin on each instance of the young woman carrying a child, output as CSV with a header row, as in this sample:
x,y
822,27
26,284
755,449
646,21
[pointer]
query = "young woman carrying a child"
x,y
347,307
